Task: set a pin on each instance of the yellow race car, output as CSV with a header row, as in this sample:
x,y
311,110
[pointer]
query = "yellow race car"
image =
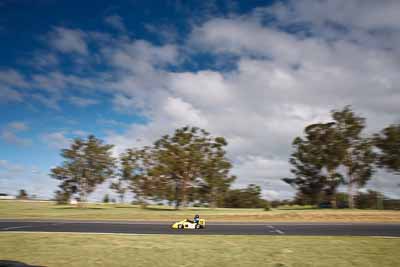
x,y
188,224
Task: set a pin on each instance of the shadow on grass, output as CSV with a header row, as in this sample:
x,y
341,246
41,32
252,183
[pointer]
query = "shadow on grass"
x,y
158,209
297,209
173,209
79,208
6,263
126,207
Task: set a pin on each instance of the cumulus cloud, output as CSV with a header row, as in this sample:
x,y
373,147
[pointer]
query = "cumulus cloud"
x,y
44,59
82,102
18,126
16,176
280,82
13,78
366,14
68,40
56,140
10,133
9,95
11,81
80,133
116,22
272,78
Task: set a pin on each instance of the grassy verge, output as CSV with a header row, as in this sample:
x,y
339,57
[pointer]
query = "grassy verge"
x,y
165,250
48,210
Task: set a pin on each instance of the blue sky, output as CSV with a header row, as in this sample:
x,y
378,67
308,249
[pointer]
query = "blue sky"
x,y
256,72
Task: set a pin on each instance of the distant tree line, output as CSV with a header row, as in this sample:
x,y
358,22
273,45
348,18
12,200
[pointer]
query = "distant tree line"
x,y
339,153
188,167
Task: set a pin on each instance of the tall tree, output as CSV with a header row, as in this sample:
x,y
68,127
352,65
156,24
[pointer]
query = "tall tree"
x,y
215,172
119,188
315,160
326,150
388,143
357,151
249,197
22,194
188,159
136,170
87,163
186,166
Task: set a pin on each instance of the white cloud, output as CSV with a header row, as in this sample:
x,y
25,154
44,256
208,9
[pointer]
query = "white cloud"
x,y
18,126
9,95
44,59
140,56
56,140
183,113
68,40
10,133
110,123
367,14
271,83
127,104
10,83
82,102
280,83
13,78
14,177
206,88
116,22
80,133
264,172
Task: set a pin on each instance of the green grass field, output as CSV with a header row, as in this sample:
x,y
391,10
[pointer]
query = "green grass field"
x,y
87,250
49,210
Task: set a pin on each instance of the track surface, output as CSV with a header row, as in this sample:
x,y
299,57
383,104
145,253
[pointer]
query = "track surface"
x,y
337,229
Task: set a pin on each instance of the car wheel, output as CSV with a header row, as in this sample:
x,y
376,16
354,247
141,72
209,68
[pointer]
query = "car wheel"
x,y
180,226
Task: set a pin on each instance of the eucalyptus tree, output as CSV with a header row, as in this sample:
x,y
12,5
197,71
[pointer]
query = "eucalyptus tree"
x,y
315,161
87,163
357,150
215,172
388,143
119,187
184,167
189,159
136,169
331,154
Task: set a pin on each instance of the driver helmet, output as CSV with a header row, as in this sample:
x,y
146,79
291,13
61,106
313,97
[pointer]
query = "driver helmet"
x,y
197,216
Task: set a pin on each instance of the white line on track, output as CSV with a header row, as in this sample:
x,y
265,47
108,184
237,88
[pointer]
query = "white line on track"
x,y
15,227
275,230
71,233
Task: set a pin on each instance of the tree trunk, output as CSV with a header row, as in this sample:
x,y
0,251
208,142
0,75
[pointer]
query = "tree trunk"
x,y
184,193
333,201
213,199
177,196
350,193
332,190
82,199
379,200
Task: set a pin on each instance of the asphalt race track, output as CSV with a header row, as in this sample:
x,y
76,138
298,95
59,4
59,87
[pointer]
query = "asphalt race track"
x,y
336,229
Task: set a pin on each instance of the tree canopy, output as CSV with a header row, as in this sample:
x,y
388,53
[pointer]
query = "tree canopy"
x,y
331,154
87,163
388,143
186,166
